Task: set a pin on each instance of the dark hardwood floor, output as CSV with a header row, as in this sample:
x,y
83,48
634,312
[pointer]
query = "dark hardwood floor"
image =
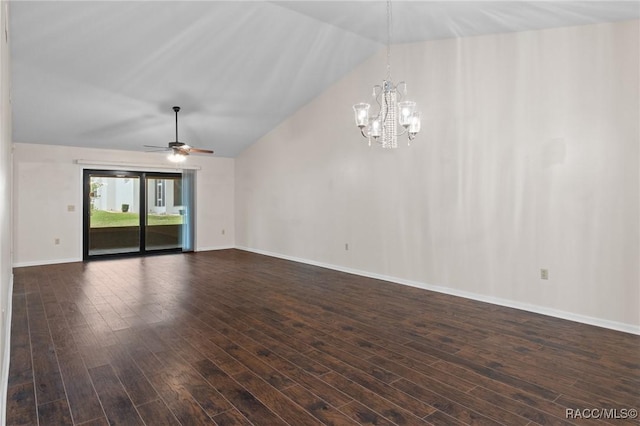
x,y
230,337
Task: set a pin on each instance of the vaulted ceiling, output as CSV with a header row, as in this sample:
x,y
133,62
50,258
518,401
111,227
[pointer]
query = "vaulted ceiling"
x,y
106,74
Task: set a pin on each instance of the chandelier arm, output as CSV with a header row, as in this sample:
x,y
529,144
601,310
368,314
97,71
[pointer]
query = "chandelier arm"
x,y
363,134
378,97
402,92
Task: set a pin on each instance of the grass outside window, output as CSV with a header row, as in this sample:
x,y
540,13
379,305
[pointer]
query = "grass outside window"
x,y
107,219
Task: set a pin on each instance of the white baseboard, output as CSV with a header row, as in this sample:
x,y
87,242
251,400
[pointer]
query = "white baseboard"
x,y
211,248
4,372
79,259
45,262
598,322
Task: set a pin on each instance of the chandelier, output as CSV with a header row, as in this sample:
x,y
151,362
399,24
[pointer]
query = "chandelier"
x,y
394,116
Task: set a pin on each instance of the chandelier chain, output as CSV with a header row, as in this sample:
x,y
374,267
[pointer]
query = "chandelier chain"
x,y
388,40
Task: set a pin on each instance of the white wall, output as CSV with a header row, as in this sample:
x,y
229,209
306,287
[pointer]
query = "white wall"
x,y
6,275
47,181
528,159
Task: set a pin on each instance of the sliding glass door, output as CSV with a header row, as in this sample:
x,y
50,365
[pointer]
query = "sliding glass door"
x,y
165,212
129,213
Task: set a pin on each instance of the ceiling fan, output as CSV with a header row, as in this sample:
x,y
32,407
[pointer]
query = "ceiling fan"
x,y
179,150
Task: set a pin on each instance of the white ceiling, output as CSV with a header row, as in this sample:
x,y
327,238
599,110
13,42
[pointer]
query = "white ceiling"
x,y
106,74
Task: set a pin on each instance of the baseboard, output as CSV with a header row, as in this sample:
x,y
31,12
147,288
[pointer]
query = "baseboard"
x,y
45,262
4,374
79,259
584,319
212,248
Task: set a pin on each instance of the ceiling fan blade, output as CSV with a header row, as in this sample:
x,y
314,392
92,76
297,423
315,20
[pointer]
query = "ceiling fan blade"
x,y
157,150
202,151
155,146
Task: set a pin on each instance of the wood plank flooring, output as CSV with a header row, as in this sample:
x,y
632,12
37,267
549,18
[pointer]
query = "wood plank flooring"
x,y
235,338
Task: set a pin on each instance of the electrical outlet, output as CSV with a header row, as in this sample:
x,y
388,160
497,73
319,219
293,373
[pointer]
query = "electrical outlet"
x,y
223,232
544,274
56,241
346,246
71,208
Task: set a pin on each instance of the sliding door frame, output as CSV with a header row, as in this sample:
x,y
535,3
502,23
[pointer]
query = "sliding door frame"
x,y
86,211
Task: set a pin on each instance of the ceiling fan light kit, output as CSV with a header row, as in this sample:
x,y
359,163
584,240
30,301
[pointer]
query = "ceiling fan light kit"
x,y
177,157
178,151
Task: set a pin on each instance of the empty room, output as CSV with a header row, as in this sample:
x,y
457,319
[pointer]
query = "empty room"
x,y
319,213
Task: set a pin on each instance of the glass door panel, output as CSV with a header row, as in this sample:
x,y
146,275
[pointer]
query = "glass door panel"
x,y
164,212
114,214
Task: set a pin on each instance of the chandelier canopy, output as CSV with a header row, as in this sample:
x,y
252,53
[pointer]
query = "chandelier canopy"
x,y
394,116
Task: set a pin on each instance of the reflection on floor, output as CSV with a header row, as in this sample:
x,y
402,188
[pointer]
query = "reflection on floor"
x,y
127,250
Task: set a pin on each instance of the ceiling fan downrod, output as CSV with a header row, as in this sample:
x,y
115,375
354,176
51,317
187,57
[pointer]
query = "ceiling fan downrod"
x,y
176,109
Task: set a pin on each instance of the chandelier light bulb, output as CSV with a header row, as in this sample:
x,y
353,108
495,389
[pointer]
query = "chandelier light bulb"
x,y
406,110
414,124
375,129
362,114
